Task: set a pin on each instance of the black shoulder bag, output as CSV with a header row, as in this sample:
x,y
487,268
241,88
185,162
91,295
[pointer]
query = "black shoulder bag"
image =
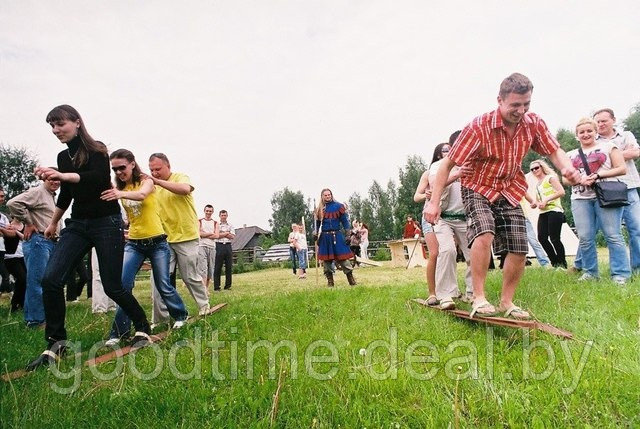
x,y
610,193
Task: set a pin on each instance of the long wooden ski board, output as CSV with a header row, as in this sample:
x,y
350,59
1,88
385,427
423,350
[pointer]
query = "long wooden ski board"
x,y
368,262
502,321
115,353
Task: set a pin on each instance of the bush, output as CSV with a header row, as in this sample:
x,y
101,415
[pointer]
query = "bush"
x,y
382,254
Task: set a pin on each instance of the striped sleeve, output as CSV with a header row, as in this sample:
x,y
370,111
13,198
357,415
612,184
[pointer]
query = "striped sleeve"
x,y
543,141
465,146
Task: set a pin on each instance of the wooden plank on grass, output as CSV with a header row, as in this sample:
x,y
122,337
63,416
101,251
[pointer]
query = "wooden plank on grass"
x,y
9,376
503,321
368,262
156,338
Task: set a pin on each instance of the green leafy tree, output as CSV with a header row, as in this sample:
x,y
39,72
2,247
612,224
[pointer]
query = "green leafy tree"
x,y
288,207
16,170
409,177
632,123
355,207
377,211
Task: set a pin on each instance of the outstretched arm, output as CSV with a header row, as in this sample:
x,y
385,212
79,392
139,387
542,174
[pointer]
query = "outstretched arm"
x,y
432,211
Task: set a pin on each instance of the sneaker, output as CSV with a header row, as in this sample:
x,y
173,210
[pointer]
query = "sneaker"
x,y
619,280
587,277
574,270
33,324
178,324
112,342
204,310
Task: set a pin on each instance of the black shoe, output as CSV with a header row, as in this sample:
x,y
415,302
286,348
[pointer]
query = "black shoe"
x,y
140,339
227,287
216,289
48,357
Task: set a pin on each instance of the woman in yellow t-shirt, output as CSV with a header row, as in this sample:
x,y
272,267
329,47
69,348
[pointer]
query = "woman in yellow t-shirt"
x,y
549,192
146,239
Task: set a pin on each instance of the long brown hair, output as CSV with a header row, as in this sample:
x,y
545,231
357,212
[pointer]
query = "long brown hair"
x,y
135,173
89,145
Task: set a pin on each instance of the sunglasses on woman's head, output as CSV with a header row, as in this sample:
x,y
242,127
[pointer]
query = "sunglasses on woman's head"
x,y
119,168
535,168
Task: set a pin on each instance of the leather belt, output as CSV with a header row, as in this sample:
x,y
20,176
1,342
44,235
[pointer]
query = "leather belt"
x,y
149,241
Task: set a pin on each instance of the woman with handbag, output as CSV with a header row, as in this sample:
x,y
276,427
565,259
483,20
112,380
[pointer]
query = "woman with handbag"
x,y
597,162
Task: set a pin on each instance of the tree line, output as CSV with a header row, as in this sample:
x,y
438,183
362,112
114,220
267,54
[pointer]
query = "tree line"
x,y
385,207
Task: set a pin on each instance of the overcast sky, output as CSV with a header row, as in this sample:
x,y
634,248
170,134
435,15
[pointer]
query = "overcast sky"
x,y
247,97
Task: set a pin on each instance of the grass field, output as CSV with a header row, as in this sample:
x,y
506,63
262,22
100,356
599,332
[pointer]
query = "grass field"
x,y
285,353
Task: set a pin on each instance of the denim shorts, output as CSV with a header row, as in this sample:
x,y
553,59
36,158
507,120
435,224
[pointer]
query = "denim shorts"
x,y
426,227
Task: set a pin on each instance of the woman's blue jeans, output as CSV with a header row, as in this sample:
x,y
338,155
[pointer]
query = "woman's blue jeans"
x,y
159,254
106,235
588,217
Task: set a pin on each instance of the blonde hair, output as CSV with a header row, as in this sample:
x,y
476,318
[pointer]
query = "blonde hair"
x,y
322,204
587,121
548,171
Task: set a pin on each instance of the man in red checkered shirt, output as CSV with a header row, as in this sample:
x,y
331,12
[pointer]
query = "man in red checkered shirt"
x,y
491,149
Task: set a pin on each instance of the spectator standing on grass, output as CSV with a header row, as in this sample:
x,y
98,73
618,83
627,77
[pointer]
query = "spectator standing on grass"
x,y
293,255
174,199
626,143
411,228
224,253
146,239
364,240
84,173
548,198
354,240
207,246
4,223
605,161
493,145
302,248
14,261
35,208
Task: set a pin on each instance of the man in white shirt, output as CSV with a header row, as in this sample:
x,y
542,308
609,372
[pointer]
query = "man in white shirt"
x,y
626,142
225,233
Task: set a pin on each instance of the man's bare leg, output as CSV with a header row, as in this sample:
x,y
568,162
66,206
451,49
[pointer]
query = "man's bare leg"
x,y
480,254
512,273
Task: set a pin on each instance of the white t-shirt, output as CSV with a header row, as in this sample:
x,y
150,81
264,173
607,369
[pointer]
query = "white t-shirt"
x,y
451,200
301,239
208,226
625,140
4,222
599,159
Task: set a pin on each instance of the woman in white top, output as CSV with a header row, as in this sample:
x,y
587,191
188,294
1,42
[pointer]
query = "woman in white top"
x,y
605,162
